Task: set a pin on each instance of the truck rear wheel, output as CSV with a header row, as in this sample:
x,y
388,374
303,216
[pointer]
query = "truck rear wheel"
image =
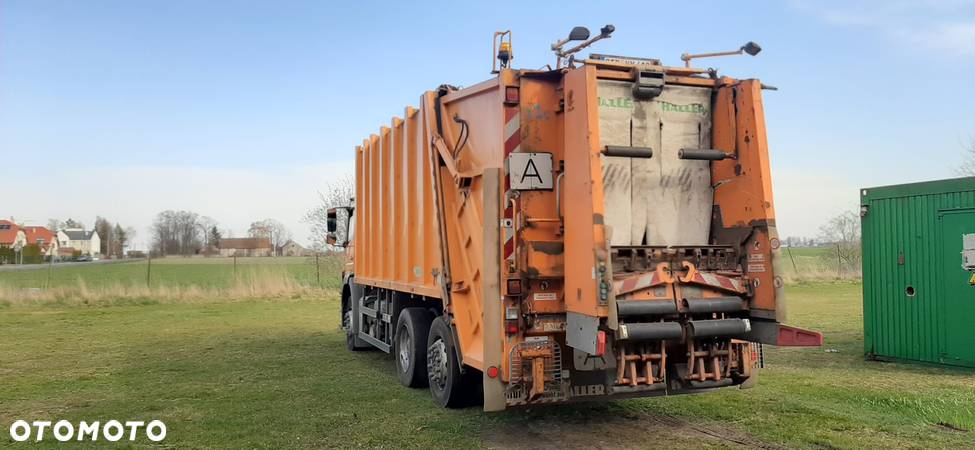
x,y
352,341
410,346
443,373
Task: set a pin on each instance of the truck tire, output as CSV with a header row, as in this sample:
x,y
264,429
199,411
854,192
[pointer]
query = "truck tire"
x,y
352,341
448,386
410,346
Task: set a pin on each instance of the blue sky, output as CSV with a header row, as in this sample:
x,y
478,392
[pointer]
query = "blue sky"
x,y
240,110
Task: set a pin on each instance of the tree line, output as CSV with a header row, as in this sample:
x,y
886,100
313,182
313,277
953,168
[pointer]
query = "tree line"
x,y
188,233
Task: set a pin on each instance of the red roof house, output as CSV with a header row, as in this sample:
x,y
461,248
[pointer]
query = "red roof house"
x,y
11,234
43,237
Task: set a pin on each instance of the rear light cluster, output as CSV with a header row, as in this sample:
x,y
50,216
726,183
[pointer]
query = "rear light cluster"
x,y
514,286
511,94
512,327
511,320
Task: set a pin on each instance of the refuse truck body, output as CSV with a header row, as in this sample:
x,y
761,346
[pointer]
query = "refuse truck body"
x,y
601,230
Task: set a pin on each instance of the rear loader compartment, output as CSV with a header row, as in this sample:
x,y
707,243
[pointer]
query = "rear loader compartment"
x,y
604,230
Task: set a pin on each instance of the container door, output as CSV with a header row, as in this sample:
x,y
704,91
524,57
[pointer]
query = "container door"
x,y
959,293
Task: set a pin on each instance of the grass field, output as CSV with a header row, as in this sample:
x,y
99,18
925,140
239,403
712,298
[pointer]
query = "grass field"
x,y
274,373
203,272
169,279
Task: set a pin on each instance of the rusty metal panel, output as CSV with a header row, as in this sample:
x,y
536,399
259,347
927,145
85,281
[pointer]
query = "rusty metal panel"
x,y
917,303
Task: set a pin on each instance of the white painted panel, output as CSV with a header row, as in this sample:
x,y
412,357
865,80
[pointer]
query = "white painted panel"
x,y
615,111
662,200
530,171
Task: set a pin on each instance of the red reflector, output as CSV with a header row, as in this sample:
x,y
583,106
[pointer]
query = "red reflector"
x,y
514,287
511,94
600,343
492,372
512,327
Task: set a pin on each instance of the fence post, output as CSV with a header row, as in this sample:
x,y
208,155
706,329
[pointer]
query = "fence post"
x,y
148,269
318,272
793,258
235,265
839,262
50,267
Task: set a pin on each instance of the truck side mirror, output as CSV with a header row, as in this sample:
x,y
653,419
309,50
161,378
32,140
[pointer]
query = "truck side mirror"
x,y
331,220
337,226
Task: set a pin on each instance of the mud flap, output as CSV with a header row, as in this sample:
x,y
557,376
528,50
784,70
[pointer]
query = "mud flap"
x,y
581,332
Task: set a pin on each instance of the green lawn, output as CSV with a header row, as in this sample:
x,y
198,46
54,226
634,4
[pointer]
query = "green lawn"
x,y
204,272
275,374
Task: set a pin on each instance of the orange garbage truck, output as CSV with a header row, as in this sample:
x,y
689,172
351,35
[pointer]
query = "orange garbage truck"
x,y
603,228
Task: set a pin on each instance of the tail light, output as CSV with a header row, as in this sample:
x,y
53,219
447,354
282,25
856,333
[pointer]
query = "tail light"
x,y
512,327
512,94
514,286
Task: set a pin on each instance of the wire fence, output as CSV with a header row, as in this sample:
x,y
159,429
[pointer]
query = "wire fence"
x,y
217,276
818,263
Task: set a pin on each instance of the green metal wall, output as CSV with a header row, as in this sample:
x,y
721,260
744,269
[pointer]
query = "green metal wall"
x,y
904,246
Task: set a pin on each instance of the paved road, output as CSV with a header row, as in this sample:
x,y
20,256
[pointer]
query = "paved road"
x,y
66,264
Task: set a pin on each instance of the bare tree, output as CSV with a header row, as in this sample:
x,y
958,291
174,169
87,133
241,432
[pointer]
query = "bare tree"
x,y
967,167
842,232
104,229
55,225
130,234
176,233
337,193
119,241
271,229
207,223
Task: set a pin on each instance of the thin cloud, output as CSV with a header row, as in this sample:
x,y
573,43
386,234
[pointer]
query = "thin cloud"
x,y
946,27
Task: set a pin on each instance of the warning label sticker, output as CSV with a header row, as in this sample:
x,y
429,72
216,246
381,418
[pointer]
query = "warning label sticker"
x,y
752,268
545,296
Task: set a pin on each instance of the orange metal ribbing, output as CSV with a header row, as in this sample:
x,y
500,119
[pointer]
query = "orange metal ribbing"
x,y
414,234
431,247
374,224
359,244
386,205
399,203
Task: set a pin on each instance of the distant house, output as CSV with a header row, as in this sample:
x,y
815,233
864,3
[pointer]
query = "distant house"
x,y
45,239
292,248
86,242
12,235
245,247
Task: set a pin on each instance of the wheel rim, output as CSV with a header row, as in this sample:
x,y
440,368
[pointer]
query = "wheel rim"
x,y
403,342
437,364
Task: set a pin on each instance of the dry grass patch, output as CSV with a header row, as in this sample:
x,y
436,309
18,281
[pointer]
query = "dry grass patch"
x,y
264,282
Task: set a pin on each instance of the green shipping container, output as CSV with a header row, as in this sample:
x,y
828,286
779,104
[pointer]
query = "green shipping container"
x,y
918,297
